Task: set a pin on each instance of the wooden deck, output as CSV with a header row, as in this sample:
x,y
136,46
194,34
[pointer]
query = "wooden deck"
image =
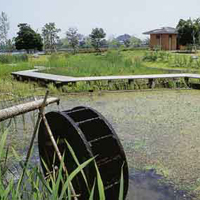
x,y
63,80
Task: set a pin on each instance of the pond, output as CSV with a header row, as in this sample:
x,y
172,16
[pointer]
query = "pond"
x,y
159,131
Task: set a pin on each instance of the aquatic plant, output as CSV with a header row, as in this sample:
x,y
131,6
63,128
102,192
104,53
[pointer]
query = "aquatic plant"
x,y
36,186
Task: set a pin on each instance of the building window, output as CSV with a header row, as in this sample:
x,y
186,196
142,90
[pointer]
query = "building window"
x,y
157,36
170,36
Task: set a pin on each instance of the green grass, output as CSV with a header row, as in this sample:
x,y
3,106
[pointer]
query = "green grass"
x,y
8,58
113,62
168,60
10,88
38,187
6,69
109,63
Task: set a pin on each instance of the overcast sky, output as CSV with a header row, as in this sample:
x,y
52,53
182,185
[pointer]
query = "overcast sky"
x,y
114,16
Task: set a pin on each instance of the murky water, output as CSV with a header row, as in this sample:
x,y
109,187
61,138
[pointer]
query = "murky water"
x,y
158,129
147,185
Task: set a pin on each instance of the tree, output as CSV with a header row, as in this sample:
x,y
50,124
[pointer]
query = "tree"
x,y
135,42
188,32
145,41
11,44
127,43
97,36
73,38
86,42
28,39
113,42
4,28
50,36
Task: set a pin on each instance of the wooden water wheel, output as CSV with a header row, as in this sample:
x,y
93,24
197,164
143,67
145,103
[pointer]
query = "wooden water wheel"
x,y
90,135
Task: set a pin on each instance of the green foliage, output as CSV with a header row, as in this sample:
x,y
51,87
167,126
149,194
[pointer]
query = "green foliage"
x,y
8,58
56,60
100,184
50,36
150,56
72,37
97,36
135,42
172,60
114,43
161,56
36,186
127,43
189,32
113,62
28,39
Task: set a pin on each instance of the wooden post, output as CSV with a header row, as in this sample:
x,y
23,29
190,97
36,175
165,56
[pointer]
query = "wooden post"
x,y
131,83
175,82
151,83
58,153
186,79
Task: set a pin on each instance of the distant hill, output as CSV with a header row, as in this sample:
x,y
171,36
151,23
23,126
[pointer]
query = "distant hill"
x,y
123,38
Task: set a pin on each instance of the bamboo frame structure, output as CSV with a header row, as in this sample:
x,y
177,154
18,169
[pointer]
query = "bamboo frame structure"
x,y
25,107
30,106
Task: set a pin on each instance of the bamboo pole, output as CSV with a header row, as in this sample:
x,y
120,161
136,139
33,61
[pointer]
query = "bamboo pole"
x,y
25,107
58,153
41,116
30,106
41,110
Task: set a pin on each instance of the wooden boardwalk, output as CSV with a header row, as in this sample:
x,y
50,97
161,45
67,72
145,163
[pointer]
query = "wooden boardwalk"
x,y
34,75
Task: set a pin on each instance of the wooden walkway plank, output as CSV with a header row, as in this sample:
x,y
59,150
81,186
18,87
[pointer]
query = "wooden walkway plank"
x,y
34,74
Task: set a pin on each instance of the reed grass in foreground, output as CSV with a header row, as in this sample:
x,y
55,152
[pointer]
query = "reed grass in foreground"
x,y
37,187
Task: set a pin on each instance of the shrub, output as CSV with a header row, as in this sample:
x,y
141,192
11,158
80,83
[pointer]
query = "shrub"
x,y
150,56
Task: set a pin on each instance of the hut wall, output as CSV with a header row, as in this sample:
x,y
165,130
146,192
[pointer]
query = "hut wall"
x,y
166,41
153,41
174,42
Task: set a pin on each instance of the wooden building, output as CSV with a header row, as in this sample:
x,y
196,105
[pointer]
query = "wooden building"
x,y
164,38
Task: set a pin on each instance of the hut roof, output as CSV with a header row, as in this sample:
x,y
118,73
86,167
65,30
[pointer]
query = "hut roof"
x,y
163,30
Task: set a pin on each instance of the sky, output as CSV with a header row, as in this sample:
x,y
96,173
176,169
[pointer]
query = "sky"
x,y
116,17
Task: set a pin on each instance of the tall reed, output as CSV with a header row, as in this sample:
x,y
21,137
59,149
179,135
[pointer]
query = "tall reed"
x,y
37,187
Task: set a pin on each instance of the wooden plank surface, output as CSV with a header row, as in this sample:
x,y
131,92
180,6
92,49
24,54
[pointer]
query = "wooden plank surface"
x,y
66,79
44,76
